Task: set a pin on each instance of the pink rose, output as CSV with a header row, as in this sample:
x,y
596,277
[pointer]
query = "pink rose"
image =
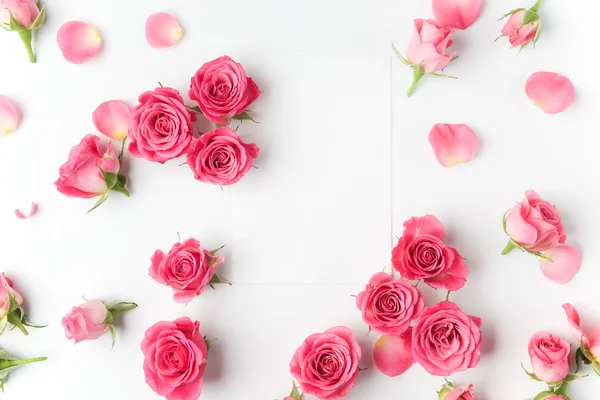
x,y
221,157
84,322
222,90
590,343
175,359
6,286
161,126
23,11
449,392
326,364
187,269
81,176
551,397
422,254
535,224
523,26
550,357
388,305
446,340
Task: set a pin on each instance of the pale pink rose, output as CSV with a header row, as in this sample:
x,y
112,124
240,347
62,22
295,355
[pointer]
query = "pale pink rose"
x,y
221,157
550,356
326,364
517,33
187,269
222,90
446,340
23,11
458,14
81,176
551,92
589,342
161,126
175,359
535,224
428,45
84,322
560,264
6,284
422,254
458,393
392,354
389,305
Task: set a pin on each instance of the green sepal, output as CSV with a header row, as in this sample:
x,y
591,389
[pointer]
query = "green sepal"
x,y
39,20
400,57
16,319
245,116
102,199
597,369
111,178
209,342
120,187
3,323
116,308
438,75
13,305
543,395
196,109
113,335
14,24
213,252
295,393
8,363
530,16
216,279
511,12
530,374
445,391
538,33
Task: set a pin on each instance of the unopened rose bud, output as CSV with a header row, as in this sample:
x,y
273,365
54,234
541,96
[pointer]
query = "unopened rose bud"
x,y
23,17
523,26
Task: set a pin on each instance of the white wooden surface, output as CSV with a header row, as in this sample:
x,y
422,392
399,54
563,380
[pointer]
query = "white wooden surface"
x,y
345,160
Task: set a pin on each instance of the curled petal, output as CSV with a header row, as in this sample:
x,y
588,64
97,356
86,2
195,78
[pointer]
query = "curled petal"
x,y
573,317
9,116
453,143
551,92
112,119
456,13
79,41
393,354
565,263
162,30
21,215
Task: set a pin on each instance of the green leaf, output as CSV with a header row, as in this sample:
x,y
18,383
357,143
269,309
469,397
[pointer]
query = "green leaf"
x,y
39,20
543,395
404,60
99,202
110,178
113,334
245,116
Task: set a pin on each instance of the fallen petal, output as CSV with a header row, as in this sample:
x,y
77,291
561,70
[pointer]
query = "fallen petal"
x,y
79,41
573,318
456,13
162,30
393,354
565,263
551,92
9,116
112,118
453,143
22,215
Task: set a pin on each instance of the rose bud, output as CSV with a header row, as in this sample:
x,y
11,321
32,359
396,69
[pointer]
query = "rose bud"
x,y
450,392
92,319
91,172
523,26
427,51
550,357
8,363
589,350
10,307
23,17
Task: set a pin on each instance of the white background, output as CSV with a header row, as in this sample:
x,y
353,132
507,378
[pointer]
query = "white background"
x,y
345,160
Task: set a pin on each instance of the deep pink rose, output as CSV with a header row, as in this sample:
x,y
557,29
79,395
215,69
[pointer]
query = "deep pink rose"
x,y
23,11
389,305
222,90
520,34
175,359
6,284
422,254
161,126
221,157
187,269
326,364
550,356
428,45
457,393
446,340
81,176
535,224
84,322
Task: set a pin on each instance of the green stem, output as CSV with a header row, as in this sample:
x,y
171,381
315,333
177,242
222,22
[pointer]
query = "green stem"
x,y
418,74
510,246
537,5
562,389
13,363
26,38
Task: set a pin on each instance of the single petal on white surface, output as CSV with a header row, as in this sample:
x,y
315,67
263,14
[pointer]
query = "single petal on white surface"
x,y
565,263
551,92
9,116
24,215
112,118
79,41
453,143
162,30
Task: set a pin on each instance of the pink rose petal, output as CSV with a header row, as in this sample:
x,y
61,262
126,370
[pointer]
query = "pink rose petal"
x,y
565,263
456,13
22,215
551,92
9,116
393,354
79,41
453,143
112,119
573,318
162,30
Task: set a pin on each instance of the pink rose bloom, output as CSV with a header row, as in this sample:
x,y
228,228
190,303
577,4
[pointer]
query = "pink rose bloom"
x,y
161,126
81,176
187,269
23,11
446,340
535,224
7,285
422,254
175,359
84,322
222,90
221,157
550,356
457,393
326,364
388,306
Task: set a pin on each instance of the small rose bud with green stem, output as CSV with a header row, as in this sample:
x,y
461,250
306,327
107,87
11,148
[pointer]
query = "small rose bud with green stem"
x,y
8,363
524,26
11,311
23,17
